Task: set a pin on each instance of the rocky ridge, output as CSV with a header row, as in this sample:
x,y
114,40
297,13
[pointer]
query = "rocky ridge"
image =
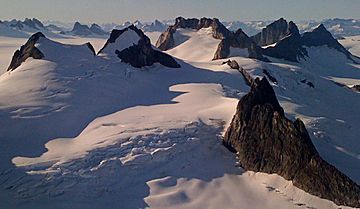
x,y
266,141
26,51
140,54
274,32
228,39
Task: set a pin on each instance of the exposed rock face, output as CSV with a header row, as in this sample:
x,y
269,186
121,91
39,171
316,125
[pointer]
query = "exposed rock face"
x,y
81,30
166,39
96,29
238,40
141,54
289,48
292,46
84,30
266,141
235,65
321,37
228,39
232,64
26,51
273,33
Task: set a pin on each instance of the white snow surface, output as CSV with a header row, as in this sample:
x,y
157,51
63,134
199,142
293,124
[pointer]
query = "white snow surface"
x,y
82,131
195,46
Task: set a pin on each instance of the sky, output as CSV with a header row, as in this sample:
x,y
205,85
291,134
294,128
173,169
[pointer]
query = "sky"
x,y
118,11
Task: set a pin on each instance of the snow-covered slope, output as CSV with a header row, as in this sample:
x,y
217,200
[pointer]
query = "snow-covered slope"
x,y
81,131
196,46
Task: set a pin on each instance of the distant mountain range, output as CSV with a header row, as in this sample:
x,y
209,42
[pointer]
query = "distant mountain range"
x,y
338,27
17,28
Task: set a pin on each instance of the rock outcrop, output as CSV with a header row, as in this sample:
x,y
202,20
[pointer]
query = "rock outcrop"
x,y
84,30
29,50
228,39
140,54
292,47
97,30
26,51
322,37
238,40
273,32
266,141
81,30
166,39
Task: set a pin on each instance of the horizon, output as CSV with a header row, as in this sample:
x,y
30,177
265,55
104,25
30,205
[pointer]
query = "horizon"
x,y
125,10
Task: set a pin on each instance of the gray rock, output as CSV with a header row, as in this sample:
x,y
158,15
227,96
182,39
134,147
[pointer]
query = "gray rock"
x,y
240,40
81,30
272,33
322,37
140,54
96,29
292,47
26,51
266,141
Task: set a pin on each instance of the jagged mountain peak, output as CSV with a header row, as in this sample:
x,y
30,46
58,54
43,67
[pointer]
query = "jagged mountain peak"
x,y
275,31
26,51
266,141
132,46
292,46
228,40
84,30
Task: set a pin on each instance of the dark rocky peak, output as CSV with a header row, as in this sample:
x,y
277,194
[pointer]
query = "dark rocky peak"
x,y
293,29
289,48
166,39
320,36
197,24
275,32
81,30
33,23
26,51
17,24
238,39
38,23
141,54
266,141
96,29
138,24
261,94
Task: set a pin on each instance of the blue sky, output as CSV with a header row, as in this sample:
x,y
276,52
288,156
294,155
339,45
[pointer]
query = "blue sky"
x,y
106,11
